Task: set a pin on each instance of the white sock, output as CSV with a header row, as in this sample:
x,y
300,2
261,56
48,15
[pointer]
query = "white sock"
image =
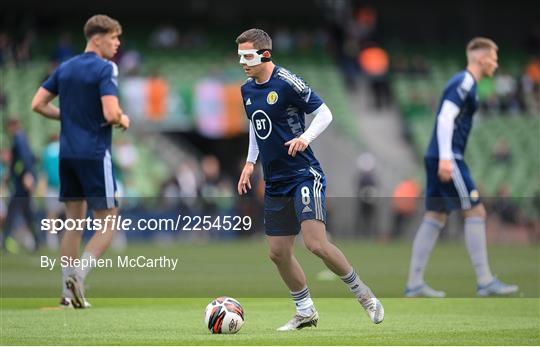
x,y
302,301
87,258
356,286
66,271
423,244
475,239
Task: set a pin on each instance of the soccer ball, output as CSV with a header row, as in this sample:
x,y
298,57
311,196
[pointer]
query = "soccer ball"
x,y
224,315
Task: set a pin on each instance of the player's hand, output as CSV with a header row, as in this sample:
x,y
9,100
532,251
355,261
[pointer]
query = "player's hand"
x,y
445,170
296,145
124,122
28,182
244,182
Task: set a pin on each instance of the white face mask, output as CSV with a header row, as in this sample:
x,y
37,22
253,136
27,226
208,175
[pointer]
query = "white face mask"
x,y
258,56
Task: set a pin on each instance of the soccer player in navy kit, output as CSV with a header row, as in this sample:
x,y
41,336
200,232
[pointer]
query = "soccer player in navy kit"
x,y
449,184
89,108
276,102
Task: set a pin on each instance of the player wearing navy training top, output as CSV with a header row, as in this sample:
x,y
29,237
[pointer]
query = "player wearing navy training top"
x,y
449,184
276,102
89,108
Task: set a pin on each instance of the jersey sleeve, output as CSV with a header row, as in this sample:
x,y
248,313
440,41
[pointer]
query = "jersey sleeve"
x,y
301,94
108,80
51,83
458,92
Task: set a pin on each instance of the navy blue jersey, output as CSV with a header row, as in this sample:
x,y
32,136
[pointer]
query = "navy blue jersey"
x,y
461,90
22,162
277,110
80,83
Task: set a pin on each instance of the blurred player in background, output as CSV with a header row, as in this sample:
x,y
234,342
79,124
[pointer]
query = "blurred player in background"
x,y
89,108
449,183
23,177
276,102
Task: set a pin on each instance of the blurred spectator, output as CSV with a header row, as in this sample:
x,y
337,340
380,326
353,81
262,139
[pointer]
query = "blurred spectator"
x,y
282,40
366,218
5,159
404,204
215,190
186,175
64,49
3,99
487,96
505,207
501,152
194,38
506,91
418,66
6,49
158,91
304,40
365,23
531,85
166,37
375,63
50,161
130,62
23,178
126,154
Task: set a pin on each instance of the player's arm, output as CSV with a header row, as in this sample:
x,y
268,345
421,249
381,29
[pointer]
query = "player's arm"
x,y
113,113
108,89
253,152
41,103
322,118
445,129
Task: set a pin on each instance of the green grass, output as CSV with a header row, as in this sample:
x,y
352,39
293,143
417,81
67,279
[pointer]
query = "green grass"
x,y
243,269
163,307
342,322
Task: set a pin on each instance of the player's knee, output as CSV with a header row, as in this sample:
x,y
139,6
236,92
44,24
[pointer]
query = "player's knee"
x,y
478,211
437,216
318,248
279,256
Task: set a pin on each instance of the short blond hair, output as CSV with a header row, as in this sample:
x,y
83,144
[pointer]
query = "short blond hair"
x,y
101,24
479,43
259,38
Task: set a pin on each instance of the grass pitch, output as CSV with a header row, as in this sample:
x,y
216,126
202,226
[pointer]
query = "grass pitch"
x,y
342,322
163,307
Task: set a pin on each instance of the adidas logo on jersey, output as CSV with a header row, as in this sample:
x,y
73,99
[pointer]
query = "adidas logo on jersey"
x,y
248,102
307,209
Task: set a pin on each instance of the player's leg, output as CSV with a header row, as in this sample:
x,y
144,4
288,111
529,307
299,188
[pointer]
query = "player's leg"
x,y
310,208
475,232
440,198
475,240
424,241
99,187
316,241
281,229
13,209
30,218
69,247
281,252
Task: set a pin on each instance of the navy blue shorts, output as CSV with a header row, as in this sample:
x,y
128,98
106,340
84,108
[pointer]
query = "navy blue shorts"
x,y
88,179
298,201
457,194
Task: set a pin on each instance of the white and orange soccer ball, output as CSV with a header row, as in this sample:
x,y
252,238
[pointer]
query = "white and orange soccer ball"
x,y
224,315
